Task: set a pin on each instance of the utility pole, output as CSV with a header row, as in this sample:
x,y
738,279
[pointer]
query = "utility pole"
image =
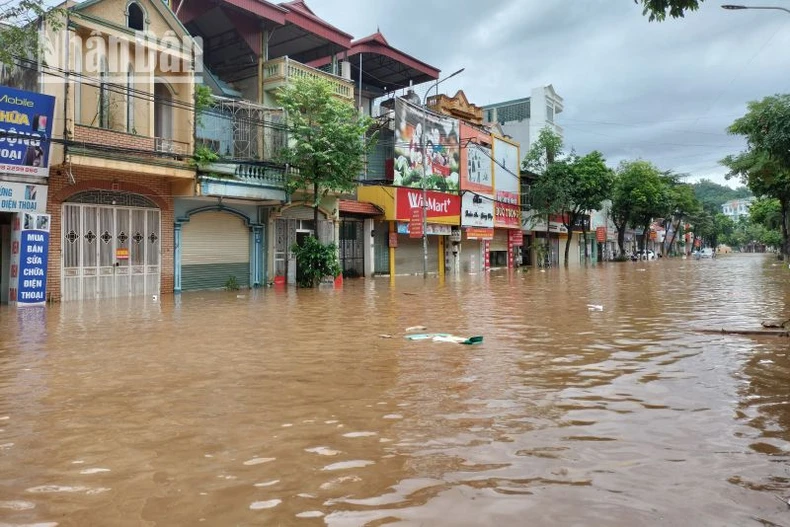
x,y
424,182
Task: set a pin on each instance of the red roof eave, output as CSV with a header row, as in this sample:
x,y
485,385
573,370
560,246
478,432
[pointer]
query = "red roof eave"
x,y
359,207
261,8
372,46
313,24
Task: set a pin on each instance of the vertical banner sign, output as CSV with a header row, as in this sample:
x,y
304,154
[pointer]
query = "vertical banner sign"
x,y
600,234
486,255
25,131
415,223
30,284
16,238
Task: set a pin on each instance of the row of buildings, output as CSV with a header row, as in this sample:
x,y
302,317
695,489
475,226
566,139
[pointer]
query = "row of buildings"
x,y
106,188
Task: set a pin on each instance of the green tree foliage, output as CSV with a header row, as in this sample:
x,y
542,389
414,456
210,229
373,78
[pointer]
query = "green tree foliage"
x,y
328,140
589,182
765,165
767,212
640,194
658,10
19,29
682,204
712,195
315,261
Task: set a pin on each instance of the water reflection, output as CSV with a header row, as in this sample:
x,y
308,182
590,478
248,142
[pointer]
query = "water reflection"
x,y
288,407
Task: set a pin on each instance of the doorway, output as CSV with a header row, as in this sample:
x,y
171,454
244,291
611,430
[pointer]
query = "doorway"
x,y
301,236
6,219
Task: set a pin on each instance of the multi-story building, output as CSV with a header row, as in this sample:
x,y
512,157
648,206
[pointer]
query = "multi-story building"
x,y
523,119
121,73
737,208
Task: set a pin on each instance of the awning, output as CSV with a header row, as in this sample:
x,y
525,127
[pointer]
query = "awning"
x,y
350,206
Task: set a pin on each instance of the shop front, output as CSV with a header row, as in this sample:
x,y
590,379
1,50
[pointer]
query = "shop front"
x,y
402,208
505,249
477,203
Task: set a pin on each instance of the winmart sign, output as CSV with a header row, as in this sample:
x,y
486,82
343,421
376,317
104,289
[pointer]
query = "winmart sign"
x,y
168,57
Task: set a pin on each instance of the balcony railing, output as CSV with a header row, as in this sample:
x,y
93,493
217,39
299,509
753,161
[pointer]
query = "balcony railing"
x,y
171,146
280,71
250,172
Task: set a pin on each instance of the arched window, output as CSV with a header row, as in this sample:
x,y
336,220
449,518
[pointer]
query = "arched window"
x,y
135,16
130,100
104,95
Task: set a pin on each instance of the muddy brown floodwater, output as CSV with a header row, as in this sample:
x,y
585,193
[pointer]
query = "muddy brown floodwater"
x,y
288,408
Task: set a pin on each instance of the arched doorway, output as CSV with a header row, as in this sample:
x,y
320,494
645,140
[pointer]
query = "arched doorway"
x,y
111,245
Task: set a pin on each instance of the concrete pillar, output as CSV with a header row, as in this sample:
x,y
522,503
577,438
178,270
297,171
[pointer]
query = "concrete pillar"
x,y
257,260
368,237
177,258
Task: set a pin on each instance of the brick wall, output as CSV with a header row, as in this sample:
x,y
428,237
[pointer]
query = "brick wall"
x,y
157,189
105,137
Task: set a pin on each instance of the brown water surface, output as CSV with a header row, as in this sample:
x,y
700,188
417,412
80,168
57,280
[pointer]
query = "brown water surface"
x,y
289,408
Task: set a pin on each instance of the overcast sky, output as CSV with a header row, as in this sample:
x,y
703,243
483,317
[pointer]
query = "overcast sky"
x,y
664,92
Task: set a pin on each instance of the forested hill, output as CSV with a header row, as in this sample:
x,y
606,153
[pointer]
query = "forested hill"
x,y
712,195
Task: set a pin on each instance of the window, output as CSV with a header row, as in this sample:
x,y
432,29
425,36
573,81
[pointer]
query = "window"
x,y
104,96
550,113
130,101
135,18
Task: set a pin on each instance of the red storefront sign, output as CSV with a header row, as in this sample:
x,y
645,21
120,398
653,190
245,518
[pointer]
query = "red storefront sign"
x,y
438,204
507,212
393,240
476,233
516,238
600,234
415,223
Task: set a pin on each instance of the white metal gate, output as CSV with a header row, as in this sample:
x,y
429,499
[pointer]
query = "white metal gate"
x,y
110,251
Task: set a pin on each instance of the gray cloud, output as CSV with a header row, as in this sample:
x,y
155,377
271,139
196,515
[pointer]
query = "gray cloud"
x,y
663,92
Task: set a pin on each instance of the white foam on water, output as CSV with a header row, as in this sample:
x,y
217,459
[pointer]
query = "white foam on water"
x,y
343,465
78,462
306,495
259,460
47,489
204,493
341,479
385,440
340,426
331,422
287,425
5,418
368,406
267,483
382,403
360,434
309,421
6,446
39,524
17,505
225,476
207,455
393,416
322,451
268,504
310,514
94,470
403,405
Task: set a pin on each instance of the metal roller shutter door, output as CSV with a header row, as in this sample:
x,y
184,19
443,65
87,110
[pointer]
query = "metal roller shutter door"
x,y
214,247
499,243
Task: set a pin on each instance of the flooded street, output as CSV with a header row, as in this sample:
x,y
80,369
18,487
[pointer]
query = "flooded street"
x,y
288,408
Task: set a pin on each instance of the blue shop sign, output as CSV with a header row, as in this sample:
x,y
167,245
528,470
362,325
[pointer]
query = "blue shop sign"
x,y
25,131
32,286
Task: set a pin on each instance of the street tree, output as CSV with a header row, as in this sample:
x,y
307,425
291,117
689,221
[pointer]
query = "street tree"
x,y
640,194
765,164
328,140
766,212
548,192
19,28
658,10
682,204
590,183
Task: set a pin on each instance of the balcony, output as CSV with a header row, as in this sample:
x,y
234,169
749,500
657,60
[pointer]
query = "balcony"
x,y
171,146
253,180
279,72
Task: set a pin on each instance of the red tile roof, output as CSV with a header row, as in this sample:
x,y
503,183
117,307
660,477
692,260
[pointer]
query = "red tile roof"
x,y
351,206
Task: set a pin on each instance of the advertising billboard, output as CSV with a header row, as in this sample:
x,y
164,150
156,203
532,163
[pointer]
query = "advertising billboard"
x,y
29,254
477,211
441,208
25,131
20,197
476,161
433,151
507,210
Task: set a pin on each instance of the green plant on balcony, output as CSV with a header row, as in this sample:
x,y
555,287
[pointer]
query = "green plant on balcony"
x,y
203,100
203,157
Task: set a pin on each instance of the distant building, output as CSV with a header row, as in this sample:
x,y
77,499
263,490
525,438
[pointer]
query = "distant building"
x,y
736,208
523,119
